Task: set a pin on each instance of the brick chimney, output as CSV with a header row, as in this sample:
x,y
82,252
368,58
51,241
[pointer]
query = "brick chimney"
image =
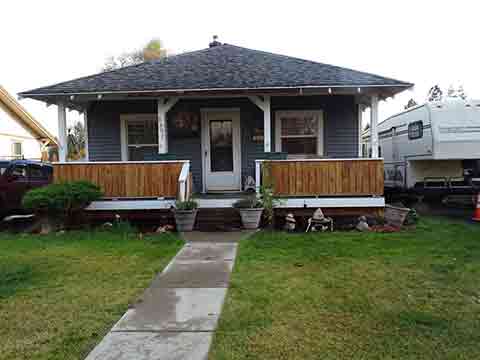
x,y
215,42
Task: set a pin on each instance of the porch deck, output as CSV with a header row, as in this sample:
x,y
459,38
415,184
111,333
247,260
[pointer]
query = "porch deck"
x,y
155,185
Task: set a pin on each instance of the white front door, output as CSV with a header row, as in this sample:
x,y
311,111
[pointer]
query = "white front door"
x,y
221,150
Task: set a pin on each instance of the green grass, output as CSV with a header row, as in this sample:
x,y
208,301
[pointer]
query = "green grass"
x,y
409,295
60,294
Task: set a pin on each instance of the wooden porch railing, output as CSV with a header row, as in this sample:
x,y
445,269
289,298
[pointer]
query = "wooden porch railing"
x,y
127,179
323,177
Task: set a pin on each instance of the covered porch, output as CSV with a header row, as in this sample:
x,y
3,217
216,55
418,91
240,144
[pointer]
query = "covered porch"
x,y
222,137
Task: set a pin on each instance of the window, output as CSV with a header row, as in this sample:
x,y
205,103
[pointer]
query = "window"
x,y
17,151
299,132
415,130
39,172
139,135
19,171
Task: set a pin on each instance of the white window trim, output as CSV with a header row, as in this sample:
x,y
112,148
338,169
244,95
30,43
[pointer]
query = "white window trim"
x,y
320,126
124,118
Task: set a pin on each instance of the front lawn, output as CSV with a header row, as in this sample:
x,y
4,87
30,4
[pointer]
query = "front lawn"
x,y
60,294
409,295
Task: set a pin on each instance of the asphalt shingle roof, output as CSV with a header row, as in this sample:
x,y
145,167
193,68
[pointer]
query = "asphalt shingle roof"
x,y
220,67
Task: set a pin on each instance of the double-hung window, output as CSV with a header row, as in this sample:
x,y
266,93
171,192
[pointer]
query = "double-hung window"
x,y
17,150
140,135
299,132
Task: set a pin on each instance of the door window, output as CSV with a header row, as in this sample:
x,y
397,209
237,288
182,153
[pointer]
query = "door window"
x,y
221,145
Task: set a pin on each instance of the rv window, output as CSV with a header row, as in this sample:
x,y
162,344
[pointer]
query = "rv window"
x,y
415,130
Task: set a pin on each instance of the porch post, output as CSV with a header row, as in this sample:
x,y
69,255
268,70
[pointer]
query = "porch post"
x,y
360,108
264,105
62,133
373,126
163,105
162,128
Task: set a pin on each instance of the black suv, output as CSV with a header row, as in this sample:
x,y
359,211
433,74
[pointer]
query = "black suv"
x,y
16,178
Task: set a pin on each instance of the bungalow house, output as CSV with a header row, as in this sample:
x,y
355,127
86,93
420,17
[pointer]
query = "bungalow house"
x,y
220,115
21,136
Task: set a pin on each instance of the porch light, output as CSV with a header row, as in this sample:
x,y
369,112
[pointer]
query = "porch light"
x,y
99,96
330,91
359,90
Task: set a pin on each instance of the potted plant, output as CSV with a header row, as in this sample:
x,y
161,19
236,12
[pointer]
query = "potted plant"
x,y
185,214
251,210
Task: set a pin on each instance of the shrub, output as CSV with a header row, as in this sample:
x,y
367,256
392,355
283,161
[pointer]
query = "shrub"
x,y
61,200
186,205
248,203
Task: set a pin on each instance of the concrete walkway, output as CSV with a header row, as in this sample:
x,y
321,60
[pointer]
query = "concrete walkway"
x,y
177,315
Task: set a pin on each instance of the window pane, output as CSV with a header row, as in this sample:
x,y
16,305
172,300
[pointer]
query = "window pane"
x,y
142,132
20,171
415,130
36,172
299,125
17,149
299,145
221,145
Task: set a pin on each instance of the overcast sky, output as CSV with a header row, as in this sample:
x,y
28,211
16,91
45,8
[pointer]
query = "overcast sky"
x,y
424,42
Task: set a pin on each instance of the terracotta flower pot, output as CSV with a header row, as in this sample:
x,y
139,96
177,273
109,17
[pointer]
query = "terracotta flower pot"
x,y
185,219
251,217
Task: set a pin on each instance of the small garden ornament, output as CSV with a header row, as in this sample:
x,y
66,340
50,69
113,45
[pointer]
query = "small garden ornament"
x,y
362,224
290,223
319,220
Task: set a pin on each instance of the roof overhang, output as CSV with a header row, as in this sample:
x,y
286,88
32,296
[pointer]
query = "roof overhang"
x,y
78,100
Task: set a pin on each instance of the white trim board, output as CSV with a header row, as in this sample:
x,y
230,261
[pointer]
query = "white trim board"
x,y
118,162
331,202
315,159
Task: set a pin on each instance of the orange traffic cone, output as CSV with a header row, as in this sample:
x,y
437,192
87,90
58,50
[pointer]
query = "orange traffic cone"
x,y
476,214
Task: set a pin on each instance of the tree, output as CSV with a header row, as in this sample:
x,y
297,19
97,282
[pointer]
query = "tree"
x,y
76,141
411,103
152,50
435,94
458,92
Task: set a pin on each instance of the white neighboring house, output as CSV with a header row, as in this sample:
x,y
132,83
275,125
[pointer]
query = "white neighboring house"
x,y
21,136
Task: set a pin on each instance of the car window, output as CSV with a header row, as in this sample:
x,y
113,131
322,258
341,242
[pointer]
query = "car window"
x,y
19,171
2,170
36,172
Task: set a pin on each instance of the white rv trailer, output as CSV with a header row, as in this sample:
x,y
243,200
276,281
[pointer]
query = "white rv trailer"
x,y
432,148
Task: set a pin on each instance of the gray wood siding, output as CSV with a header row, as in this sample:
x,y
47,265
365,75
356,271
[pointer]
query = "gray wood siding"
x,y
341,128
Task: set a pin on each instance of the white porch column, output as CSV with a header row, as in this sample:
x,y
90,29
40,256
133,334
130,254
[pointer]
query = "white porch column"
x,y
267,126
85,122
264,105
360,108
163,105
374,126
62,133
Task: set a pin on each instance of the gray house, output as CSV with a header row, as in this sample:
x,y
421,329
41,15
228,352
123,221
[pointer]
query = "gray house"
x,y
226,109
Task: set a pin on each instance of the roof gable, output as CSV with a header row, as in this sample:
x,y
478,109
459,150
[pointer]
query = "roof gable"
x,y
220,67
18,113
